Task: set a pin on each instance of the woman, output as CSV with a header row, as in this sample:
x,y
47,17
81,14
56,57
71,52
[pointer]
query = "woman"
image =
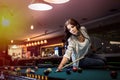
x,y
78,46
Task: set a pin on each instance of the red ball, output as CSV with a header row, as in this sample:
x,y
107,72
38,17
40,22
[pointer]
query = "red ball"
x,y
12,68
114,74
75,69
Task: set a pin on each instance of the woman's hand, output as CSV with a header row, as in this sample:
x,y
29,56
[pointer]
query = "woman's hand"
x,y
59,69
63,62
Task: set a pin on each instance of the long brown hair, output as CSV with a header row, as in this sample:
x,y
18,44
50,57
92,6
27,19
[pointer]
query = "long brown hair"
x,y
72,22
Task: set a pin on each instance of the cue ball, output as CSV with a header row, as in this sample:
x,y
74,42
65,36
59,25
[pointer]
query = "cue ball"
x,y
74,69
68,71
79,70
28,70
49,69
113,74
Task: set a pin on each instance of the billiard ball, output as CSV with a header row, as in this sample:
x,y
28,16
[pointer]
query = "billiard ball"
x,y
75,69
79,70
68,71
6,68
36,68
28,70
46,72
113,74
12,68
49,69
18,69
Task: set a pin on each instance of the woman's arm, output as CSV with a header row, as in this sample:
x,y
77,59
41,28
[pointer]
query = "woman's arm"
x,y
67,54
63,62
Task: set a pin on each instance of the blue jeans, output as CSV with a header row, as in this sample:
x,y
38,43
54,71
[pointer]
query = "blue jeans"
x,y
93,60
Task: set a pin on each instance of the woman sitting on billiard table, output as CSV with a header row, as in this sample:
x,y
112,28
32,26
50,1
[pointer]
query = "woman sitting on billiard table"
x,y
78,46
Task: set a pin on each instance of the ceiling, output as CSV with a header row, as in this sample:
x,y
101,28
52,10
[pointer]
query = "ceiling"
x,y
49,24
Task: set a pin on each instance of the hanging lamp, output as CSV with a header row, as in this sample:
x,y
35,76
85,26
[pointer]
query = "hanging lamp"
x,y
57,1
39,5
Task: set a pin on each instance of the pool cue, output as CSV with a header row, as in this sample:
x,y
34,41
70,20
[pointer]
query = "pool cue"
x,y
78,59
72,62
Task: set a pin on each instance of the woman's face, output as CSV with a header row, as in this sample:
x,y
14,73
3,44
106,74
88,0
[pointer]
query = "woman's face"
x,y
72,29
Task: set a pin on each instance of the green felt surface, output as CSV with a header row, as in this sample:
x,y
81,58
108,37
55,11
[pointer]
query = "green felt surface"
x,y
87,74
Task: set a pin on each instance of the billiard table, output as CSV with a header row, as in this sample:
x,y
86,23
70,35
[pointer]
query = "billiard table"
x,y
96,73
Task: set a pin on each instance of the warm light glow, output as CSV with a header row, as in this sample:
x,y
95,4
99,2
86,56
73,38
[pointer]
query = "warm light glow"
x,y
40,6
59,44
11,41
42,42
114,42
28,39
38,42
57,1
32,44
45,41
35,43
31,27
29,44
14,46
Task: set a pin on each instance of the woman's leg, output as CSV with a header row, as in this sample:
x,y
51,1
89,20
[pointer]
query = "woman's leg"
x,y
88,62
95,56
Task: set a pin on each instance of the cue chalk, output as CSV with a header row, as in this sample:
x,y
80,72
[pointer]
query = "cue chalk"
x,y
73,62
